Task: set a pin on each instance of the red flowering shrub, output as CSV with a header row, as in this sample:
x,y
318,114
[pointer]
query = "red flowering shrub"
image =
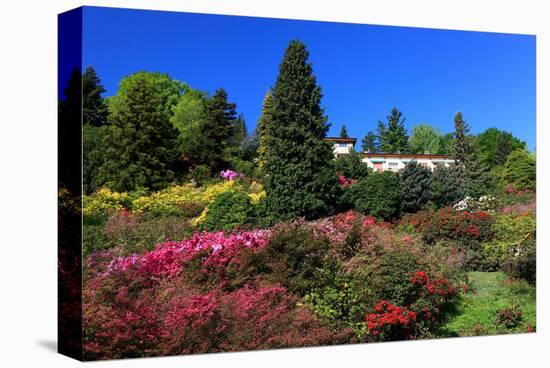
x,y
448,224
164,320
508,318
390,322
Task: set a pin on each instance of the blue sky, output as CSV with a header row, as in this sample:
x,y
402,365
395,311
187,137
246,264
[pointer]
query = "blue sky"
x,y
364,70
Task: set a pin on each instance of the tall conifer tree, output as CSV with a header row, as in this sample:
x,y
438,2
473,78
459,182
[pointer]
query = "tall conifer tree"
x,y
393,138
94,108
344,132
471,173
370,143
263,128
218,126
300,177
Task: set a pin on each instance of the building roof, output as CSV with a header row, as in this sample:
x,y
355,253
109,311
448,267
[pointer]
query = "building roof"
x,y
405,155
341,139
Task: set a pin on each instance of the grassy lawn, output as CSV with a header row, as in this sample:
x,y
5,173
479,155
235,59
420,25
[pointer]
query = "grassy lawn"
x,y
490,291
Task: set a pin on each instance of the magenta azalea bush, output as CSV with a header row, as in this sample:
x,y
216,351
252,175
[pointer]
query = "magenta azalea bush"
x,y
229,174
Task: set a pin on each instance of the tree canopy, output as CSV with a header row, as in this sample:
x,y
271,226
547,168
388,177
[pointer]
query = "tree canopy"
x,y
425,139
141,143
393,137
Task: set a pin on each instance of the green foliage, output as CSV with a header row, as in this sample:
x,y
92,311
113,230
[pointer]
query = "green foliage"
x,y
415,187
299,173
339,304
445,187
425,138
474,177
370,143
446,144
263,128
217,128
520,170
521,261
344,132
188,118
379,195
297,258
200,174
494,146
136,233
228,210
393,138
509,233
94,108
391,277
140,144
92,155
94,239
249,147
351,166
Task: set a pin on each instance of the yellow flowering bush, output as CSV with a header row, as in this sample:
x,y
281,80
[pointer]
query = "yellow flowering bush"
x,y
210,191
103,201
168,201
255,198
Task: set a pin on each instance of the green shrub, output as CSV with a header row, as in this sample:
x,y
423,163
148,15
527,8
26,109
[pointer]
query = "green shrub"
x,y
415,187
520,170
297,258
136,233
509,231
351,166
93,239
340,304
228,210
445,188
521,261
391,277
379,195
200,174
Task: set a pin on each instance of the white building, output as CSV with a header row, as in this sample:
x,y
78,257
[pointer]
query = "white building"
x,y
389,161
396,161
342,146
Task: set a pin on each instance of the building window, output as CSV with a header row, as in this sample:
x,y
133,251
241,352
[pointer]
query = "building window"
x,y
393,165
343,145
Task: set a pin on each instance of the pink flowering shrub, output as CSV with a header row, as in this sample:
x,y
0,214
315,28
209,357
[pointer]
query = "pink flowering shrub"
x,y
229,174
217,251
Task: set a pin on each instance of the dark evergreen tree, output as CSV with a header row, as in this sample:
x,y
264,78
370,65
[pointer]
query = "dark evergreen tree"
x,y
463,145
263,128
370,143
446,187
393,138
344,132
92,154
415,187
141,143
300,178
218,125
473,175
94,108
70,124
